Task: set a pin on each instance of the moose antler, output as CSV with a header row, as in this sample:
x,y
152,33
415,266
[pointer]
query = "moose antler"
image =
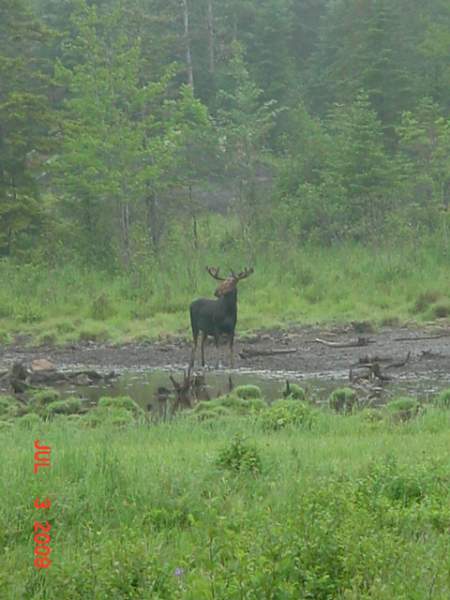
x,y
243,274
214,272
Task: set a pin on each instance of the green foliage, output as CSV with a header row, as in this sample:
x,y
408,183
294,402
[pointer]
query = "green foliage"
x,y
240,456
287,413
247,392
229,405
343,400
64,407
402,409
443,399
30,421
101,308
8,407
295,392
318,515
44,397
121,403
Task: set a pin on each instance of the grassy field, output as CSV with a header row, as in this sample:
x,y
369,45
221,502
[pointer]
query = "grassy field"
x,y
291,285
256,506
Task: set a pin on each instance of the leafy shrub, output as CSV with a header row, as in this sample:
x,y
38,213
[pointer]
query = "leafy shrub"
x,y
343,400
69,406
228,405
117,417
121,403
8,406
443,399
403,408
240,456
294,391
247,391
120,418
41,398
29,421
285,413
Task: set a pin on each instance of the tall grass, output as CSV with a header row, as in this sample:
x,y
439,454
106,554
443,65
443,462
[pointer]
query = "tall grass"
x,y
344,510
291,284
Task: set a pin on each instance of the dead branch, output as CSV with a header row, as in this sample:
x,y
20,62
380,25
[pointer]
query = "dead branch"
x,y
424,337
250,353
361,341
402,363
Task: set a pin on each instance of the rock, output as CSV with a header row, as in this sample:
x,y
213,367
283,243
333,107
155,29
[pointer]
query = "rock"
x,y
42,364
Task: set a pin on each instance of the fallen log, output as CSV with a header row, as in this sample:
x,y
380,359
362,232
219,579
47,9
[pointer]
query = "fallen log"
x,y
424,337
250,353
353,344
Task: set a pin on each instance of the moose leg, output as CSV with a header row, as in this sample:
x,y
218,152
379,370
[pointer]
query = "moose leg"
x,y
232,351
202,344
193,352
216,344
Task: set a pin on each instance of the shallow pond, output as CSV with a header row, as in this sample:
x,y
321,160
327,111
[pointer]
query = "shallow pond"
x,y
142,386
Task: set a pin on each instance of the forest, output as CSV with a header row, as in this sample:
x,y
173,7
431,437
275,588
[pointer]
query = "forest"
x,y
142,140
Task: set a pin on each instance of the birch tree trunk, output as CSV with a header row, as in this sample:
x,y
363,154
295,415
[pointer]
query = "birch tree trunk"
x,y
187,41
210,17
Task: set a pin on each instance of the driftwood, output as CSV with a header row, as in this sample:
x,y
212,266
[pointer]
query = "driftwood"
x,y
361,341
373,369
368,359
424,337
250,353
187,391
402,363
22,380
371,372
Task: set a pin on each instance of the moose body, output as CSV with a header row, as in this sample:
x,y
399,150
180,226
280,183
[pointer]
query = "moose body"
x,y
216,317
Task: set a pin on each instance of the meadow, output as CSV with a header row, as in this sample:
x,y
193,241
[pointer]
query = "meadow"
x,y
229,502
398,282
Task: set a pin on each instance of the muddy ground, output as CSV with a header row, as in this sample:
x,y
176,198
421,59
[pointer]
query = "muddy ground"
x,y
429,358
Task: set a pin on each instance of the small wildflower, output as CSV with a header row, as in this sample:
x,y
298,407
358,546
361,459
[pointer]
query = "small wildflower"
x,y
178,572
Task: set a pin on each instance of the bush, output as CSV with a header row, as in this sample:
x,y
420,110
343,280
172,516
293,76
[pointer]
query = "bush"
x,y
69,406
247,391
240,456
8,406
41,398
294,391
29,421
443,399
285,413
343,400
403,409
229,405
121,403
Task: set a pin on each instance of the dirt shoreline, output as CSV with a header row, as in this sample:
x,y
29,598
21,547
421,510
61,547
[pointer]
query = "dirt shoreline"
x,y
429,357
